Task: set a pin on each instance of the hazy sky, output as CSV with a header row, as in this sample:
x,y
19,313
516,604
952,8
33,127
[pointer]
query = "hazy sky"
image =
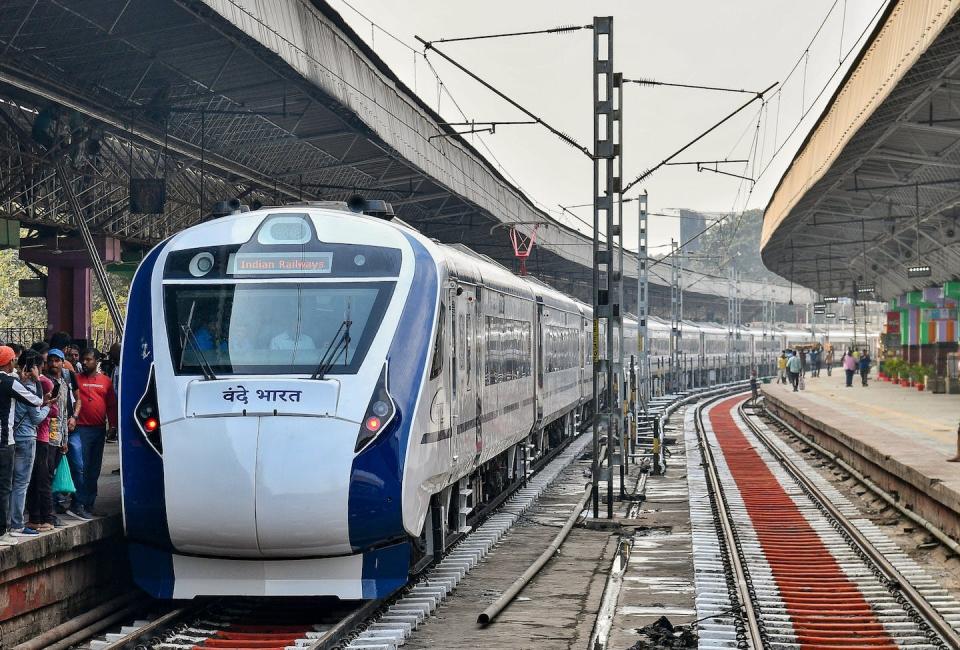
x,y
747,44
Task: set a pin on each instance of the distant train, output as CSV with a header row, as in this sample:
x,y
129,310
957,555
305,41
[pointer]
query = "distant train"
x,y
315,401
703,350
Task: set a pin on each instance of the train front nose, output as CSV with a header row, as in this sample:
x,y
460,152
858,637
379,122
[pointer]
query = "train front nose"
x,y
259,485
303,484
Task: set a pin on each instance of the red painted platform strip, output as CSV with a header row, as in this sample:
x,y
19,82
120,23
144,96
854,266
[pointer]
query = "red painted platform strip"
x,y
826,608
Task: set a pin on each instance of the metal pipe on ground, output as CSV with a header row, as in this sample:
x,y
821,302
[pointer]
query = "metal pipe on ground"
x,y
116,618
501,603
940,536
64,630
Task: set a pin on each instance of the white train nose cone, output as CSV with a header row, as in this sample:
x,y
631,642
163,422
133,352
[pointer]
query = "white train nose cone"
x,y
274,486
303,485
209,469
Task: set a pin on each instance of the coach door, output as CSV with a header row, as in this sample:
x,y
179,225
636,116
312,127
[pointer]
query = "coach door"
x,y
538,391
461,377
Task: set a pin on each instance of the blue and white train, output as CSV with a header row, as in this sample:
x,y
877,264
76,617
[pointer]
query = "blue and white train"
x,y
314,401
303,386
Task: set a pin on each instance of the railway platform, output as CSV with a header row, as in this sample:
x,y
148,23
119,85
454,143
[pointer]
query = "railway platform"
x,y
899,437
50,578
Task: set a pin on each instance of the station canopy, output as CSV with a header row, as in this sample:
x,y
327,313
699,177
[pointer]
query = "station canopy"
x,y
872,197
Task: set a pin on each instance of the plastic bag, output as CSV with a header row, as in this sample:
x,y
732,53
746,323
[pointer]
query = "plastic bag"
x,y
62,480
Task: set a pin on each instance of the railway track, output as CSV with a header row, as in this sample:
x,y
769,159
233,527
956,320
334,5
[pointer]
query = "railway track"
x,y
324,624
319,624
785,561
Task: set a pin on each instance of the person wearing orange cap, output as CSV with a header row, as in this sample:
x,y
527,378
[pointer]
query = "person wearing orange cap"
x,y
11,391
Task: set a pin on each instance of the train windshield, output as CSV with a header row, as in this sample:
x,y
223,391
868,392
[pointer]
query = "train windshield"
x,y
272,328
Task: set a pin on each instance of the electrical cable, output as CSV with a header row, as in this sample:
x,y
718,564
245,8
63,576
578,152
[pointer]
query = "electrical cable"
x,y
763,171
560,134
704,134
563,29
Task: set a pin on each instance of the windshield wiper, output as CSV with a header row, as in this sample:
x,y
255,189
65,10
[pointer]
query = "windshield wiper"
x,y
191,338
341,341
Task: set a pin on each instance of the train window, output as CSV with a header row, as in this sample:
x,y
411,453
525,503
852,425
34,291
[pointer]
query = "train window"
x,y
562,347
269,328
436,366
508,350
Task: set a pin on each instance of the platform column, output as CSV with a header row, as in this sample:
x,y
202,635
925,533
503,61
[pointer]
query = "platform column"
x,y
69,303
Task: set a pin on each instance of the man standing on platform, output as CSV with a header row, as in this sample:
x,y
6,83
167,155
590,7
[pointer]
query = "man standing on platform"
x,y
97,415
864,363
849,366
795,367
815,362
11,392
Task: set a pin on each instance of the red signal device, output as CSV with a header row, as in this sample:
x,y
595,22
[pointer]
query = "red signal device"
x,y
151,425
373,424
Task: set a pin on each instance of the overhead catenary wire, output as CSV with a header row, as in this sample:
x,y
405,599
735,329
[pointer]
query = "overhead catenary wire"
x,y
823,89
557,132
444,89
653,82
697,139
778,95
563,29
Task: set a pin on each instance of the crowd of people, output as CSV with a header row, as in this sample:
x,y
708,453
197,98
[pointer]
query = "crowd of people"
x,y
57,402
793,365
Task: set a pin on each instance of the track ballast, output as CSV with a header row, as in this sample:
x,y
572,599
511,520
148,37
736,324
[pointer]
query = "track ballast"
x,y
785,561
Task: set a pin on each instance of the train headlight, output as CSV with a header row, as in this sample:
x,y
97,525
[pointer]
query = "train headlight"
x,y
380,412
201,264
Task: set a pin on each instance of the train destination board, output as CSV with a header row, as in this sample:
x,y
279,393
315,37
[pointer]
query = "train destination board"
x,y
274,263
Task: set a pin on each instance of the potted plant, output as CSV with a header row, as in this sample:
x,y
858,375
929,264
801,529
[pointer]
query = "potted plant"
x,y
888,369
913,374
894,369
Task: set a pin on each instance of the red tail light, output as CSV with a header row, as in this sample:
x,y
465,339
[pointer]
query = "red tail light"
x,y
380,412
147,416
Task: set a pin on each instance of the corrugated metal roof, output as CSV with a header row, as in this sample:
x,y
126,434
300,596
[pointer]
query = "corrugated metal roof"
x,y
885,150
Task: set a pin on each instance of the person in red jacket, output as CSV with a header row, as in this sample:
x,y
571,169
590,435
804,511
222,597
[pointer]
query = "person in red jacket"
x,y
98,415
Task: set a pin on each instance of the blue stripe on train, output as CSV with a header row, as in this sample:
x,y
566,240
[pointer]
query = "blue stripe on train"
x,y
145,513
375,506
152,569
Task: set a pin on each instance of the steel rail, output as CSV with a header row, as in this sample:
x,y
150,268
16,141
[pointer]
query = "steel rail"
x,y
727,528
491,612
940,536
896,581
335,636
156,624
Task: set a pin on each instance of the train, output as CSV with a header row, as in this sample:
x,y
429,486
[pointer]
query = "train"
x,y
316,402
